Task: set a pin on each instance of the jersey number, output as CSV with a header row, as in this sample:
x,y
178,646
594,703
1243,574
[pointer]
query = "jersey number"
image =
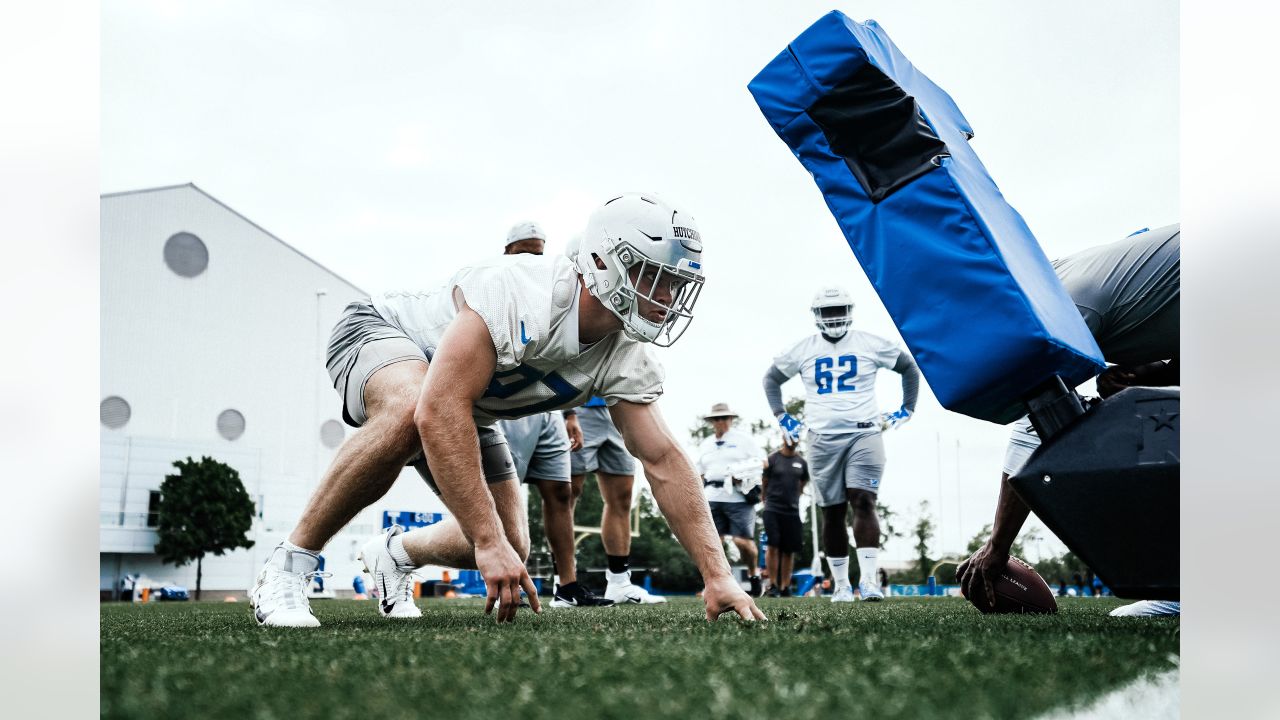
x,y
505,384
823,378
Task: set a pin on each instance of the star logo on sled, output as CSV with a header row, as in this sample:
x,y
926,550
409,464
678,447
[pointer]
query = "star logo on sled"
x,y
1164,419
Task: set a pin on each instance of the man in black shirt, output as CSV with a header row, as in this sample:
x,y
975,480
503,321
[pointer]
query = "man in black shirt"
x,y
783,481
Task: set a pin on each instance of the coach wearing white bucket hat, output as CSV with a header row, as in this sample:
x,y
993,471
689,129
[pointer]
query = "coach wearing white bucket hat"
x,y
729,461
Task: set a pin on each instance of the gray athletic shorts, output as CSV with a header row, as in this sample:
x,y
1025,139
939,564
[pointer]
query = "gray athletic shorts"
x,y
1023,441
363,343
602,446
734,518
853,461
539,445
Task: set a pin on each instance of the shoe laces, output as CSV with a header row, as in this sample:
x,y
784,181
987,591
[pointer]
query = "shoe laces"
x,y
401,585
290,588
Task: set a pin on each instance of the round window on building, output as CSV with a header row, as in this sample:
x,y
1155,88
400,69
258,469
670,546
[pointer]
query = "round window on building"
x,y
114,412
186,254
230,424
331,433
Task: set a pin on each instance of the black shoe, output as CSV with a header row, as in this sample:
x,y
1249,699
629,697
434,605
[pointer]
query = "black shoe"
x,y
575,595
786,592
773,592
757,589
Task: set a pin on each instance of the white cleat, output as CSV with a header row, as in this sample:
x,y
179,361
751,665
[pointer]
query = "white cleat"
x,y
279,597
395,585
622,592
870,592
1148,608
843,594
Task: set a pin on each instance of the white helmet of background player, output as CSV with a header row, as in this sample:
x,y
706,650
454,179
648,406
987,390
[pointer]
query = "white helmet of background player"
x,y
832,311
637,248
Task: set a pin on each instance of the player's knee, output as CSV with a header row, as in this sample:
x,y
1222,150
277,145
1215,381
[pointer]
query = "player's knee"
x,y
558,494
864,503
396,422
617,496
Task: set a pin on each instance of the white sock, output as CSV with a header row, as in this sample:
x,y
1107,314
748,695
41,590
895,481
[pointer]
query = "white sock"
x,y
839,571
305,562
399,554
618,578
867,565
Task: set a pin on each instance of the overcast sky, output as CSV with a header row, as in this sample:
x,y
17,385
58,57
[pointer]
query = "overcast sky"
x,y
394,142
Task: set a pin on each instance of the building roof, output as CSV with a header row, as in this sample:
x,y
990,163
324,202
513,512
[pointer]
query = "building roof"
x,y
232,210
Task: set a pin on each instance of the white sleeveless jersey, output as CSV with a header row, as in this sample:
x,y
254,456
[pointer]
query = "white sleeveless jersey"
x,y
530,305
839,378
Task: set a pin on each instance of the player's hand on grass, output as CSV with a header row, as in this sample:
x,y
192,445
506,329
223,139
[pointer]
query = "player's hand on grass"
x,y
723,595
504,577
574,429
791,426
979,572
894,420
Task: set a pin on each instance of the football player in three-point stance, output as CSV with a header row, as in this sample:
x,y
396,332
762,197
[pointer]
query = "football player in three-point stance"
x,y
512,336
846,453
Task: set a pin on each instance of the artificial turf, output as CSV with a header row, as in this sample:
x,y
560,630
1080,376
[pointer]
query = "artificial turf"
x,y
905,657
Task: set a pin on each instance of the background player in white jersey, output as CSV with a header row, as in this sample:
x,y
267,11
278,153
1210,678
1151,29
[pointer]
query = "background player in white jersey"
x,y
729,460
846,453
540,446
1128,293
512,336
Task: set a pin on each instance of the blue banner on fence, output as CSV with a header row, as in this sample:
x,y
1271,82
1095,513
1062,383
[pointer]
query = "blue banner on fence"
x,y
408,519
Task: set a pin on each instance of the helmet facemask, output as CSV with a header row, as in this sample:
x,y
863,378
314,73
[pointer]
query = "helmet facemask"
x,y
833,320
651,285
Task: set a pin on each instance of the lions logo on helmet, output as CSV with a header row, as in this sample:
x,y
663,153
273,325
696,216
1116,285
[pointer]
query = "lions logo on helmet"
x,y
642,258
832,311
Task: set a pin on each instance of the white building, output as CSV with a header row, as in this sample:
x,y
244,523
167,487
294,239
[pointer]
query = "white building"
x,y
213,343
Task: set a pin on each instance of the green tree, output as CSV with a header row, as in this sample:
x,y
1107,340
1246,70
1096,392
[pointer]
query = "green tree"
x,y
1062,568
1017,549
203,509
887,518
923,533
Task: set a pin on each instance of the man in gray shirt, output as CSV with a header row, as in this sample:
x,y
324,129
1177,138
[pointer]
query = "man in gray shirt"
x,y
1128,294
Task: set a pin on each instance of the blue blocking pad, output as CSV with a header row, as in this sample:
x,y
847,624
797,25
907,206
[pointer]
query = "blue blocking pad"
x,y
956,266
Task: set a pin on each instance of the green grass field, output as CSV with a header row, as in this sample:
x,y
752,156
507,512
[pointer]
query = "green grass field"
x,y
901,658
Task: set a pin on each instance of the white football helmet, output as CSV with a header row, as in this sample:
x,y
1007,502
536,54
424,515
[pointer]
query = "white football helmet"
x,y
832,311
639,253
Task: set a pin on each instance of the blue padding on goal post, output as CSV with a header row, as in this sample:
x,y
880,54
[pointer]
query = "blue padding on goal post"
x,y
959,271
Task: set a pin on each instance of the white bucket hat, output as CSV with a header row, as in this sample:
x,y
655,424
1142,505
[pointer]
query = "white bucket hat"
x,y
720,410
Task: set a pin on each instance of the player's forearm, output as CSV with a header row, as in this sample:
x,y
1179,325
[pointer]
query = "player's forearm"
x,y
773,390
452,448
906,366
679,495
1011,513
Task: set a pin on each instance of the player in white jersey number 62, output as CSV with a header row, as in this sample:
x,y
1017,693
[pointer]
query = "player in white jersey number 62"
x,y
431,373
838,365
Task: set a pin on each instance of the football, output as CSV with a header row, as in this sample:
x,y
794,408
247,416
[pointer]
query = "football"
x,y
1019,589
